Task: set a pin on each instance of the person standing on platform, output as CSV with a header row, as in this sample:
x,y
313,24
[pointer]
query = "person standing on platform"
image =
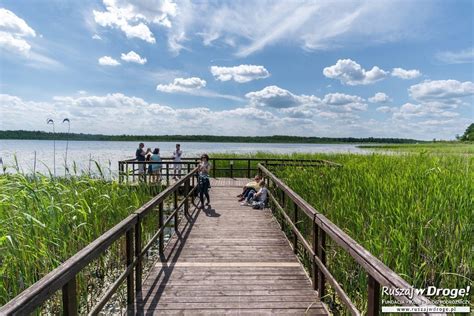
x,y
177,162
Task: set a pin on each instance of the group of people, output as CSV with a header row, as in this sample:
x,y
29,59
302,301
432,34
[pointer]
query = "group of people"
x,y
154,169
254,193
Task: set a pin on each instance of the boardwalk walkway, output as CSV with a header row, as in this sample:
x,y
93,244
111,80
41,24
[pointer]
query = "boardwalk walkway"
x,y
229,260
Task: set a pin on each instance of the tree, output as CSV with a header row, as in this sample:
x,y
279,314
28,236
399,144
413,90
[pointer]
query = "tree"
x,y
469,133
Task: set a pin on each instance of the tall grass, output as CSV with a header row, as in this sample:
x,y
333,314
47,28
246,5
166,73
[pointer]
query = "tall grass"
x,y
413,212
45,220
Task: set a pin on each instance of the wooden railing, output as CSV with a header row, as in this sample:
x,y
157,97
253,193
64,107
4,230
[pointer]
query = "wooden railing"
x,y
281,198
131,170
64,277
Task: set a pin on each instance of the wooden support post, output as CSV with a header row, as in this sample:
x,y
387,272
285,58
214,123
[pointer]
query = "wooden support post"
x,y
175,204
248,168
129,261
138,250
373,303
69,292
231,169
213,169
167,174
186,201
160,225
127,173
295,221
133,172
315,249
322,257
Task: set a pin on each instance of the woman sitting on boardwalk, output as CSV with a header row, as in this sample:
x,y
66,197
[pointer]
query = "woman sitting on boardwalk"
x,y
259,199
249,187
203,179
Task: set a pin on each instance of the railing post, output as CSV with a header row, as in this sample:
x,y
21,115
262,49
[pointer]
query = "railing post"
x,y
167,174
138,250
133,172
295,236
373,303
231,169
69,292
175,204
322,257
160,225
213,168
315,249
186,201
129,260
248,168
127,171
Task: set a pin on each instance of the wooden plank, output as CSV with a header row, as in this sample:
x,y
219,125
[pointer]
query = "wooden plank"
x,y
238,262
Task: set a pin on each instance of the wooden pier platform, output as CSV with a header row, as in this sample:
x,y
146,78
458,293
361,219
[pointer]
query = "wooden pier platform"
x,y
229,260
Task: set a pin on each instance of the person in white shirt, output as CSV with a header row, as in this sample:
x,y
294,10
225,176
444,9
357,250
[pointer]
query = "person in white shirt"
x,y
177,158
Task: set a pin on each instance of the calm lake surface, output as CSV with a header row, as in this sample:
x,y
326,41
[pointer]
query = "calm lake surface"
x,y
107,154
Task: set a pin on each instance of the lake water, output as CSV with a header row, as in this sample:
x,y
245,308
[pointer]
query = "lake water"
x,y
107,153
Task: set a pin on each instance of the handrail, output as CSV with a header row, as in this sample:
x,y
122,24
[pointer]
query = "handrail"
x,y
64,276
378,272
232,166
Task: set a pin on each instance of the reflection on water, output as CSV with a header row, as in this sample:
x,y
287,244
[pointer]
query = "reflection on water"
x,y
86,153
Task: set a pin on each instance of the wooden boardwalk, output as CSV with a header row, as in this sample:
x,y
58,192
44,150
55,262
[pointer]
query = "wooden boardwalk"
x,y
229,260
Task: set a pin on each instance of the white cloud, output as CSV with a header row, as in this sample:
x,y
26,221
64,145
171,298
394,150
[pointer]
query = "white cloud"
x,y
351,73
133,57
134,17
117,113
110,113
182,85
249,27
406,74
13,33
193,86
380,97
241,73
332,106
441,90
276,97
96,37
464,56
384,109
108,61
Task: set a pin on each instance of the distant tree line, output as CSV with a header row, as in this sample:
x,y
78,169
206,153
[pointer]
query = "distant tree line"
x,y
40,135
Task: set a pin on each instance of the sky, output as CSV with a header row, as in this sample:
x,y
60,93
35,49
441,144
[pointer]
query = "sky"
x,y
306,68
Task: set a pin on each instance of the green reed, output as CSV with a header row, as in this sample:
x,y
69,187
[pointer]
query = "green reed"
x,y
415,212
46,220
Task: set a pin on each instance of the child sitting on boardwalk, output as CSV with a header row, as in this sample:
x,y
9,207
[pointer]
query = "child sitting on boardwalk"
x,y
257,200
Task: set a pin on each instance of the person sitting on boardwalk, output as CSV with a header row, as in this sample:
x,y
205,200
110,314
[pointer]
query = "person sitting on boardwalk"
x,y
259,199
140,156
177,162
156,167
249,187
203,179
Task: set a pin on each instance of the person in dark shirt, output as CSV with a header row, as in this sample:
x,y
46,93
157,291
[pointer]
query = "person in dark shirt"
x,y
140,156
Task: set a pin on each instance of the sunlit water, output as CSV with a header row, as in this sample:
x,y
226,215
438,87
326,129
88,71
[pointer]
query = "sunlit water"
x,y
86,153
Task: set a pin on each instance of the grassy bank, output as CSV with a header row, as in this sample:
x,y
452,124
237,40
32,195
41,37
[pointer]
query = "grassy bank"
x,y
44,221
437,147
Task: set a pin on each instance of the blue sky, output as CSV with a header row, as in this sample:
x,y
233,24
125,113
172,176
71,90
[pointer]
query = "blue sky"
x,y
312,68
